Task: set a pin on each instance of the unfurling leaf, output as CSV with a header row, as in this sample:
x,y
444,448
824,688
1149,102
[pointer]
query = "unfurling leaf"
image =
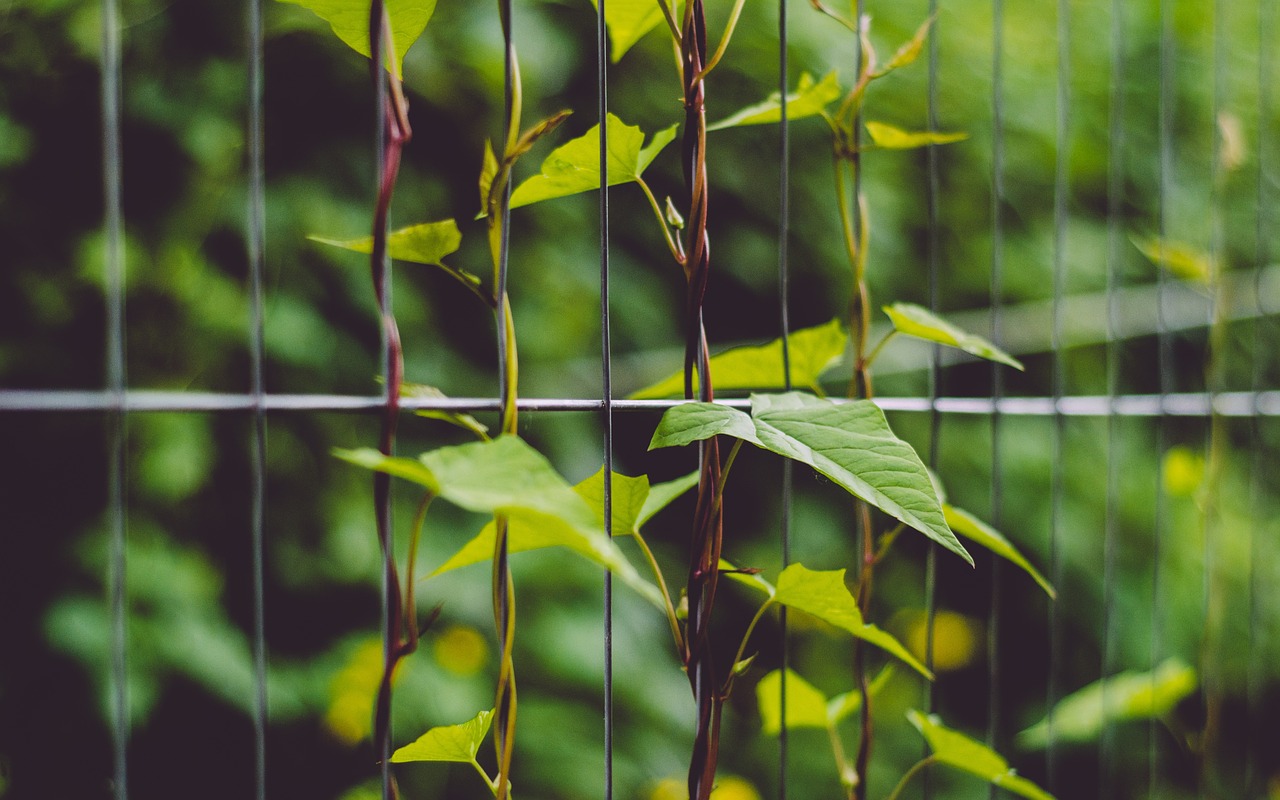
x,y
1182,260
850,443
812,352
824,595
1081,716
975,530
913,320
908,52
963,753
574,167
350,21
809,99
890,137
448,742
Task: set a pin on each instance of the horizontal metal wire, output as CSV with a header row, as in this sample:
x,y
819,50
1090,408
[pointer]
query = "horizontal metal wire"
x,y
1227,404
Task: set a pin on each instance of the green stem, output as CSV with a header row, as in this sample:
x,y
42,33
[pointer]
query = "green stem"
x,y
848,776
676,251
742,646
490,782
672,619
875,351
911,773
724,471
724,40
671,19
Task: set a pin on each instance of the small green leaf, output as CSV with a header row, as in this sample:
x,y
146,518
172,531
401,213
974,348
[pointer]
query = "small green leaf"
x,y
425,243
889,137
745,664
908,52
809,99
974,529
963,753
574,167
1081,716
350,21
488,170
448,742
628,21
1180,259
812,352
850,443
806,705
752,580
913,320
824,595
464,421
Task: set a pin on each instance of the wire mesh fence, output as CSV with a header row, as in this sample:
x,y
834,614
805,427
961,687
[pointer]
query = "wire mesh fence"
x,y
191,581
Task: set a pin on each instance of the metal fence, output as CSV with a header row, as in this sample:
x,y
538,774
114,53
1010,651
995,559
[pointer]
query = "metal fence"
x,y
1123,334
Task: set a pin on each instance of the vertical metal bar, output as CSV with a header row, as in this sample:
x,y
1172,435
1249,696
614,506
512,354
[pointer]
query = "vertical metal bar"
x,y
784,303
256,243
932,257
1061,191
606,390
117,420
997,374
1115,199
1167,367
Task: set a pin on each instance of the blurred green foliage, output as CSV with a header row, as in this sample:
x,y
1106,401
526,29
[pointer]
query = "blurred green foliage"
x,y
189,576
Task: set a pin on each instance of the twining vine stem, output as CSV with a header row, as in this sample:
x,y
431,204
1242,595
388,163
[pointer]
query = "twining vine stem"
x,y
401,634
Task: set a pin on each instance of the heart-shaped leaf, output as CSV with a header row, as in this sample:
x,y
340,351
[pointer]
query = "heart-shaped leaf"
x,y
809,99
448,742
350,21
913,320
574,167
824,595
963,753
850,443
812,351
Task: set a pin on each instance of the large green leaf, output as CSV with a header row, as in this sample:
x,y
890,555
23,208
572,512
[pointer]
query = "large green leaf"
x,y
975,530
824,595
850,443
806,705
963,753
920,322
628,21
448,742
506,476
812,351
889,137
350,21
809,99
1082,715
574,167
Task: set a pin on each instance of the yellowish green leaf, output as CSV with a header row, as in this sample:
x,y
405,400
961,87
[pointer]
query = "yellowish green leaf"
x,y
1180,259
627,22
967,755
913,320
889,137
806,704
809,99
349,19
448,742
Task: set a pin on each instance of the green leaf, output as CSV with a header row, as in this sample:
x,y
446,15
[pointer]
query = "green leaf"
x,y
850,443
506,476
488,171
426,243
806,705
448,742
974,529
1082,715
628,21
808,100
889,137
824,595
574,167
913,320
752,580
629,497
1180,259
843,705
813,350
908,52
963,753
350,21
464,421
